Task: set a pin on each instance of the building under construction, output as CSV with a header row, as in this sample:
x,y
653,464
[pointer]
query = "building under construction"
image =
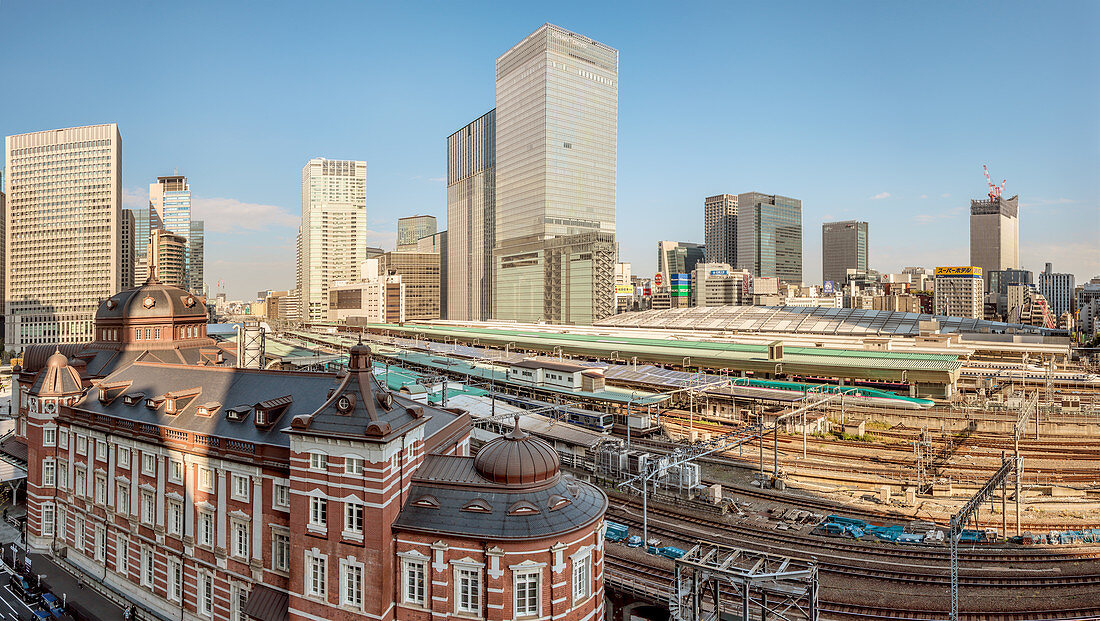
x,y
995,231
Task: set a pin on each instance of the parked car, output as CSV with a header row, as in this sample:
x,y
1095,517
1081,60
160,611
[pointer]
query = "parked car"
x,y
53,605
23,588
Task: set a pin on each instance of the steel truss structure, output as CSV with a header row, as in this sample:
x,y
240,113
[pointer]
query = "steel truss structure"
x,y
999,478
710,578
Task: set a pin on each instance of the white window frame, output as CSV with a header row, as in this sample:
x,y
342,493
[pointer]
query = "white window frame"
x,y
280,496
100,491
205,594
63,439
122,498
81,444
280,551
239,488
62,474
318,512
414,568
49,520
353,466
49,436
175,517
148,570
469,605
206,479
318,462
122,555
80,486
205,536
99,543
316,582
148,507
101,450
351,584
354,516
175,579
124,457
49,472
175,471
240,531
149,464
520,580
582,584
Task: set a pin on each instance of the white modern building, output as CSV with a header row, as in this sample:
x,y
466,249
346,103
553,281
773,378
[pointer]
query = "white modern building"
x,y
1057,289
63,239
471,211
170,208
959,292
333,236
718,284
375,298
556,131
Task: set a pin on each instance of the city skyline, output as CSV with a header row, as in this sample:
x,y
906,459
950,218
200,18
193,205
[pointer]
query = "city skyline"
x,y
897,145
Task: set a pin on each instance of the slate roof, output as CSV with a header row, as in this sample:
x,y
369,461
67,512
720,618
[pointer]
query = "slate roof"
x,y
228,386
452,484
267,604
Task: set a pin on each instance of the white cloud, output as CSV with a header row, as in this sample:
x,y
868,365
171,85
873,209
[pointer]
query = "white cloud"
x,y
924,196
945,195
880,196
135,198
928,218
227,215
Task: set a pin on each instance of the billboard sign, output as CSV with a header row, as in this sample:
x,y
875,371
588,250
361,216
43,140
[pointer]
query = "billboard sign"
x,y
827,287
967,270
719,272
658,279
624,290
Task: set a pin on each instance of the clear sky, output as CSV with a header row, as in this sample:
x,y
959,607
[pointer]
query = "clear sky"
x,y
879,111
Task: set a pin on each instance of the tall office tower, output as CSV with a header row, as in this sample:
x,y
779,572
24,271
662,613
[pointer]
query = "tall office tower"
x,y
1057,289
63,238
170,200
3,237
556,127
411,229
168,257
437,243
332,241
720,228
471,209
126,228
843,247
769,236
959,292
145,222
678,257
196,256
995,234
419,272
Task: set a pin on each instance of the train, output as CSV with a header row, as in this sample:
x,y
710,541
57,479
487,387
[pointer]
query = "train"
x,y
596,421
856,395
620,533
839,526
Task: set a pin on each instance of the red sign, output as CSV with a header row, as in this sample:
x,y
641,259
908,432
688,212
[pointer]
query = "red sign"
x,y
658,279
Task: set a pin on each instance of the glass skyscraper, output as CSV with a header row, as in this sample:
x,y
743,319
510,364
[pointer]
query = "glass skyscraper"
x,y
556,131
843,247
769,236
471,209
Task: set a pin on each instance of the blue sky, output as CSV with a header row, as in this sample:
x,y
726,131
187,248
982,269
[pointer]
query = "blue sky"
x,y
880,111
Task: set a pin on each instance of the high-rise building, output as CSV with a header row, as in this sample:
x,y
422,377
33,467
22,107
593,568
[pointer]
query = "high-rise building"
x,y
3,237
769,236
1088,308
196,258
678,257
411,229
720,228
419,273
127,249
167,254
63,240
995,234
471,210
438,243
718,284
959,292
145,222
1057,289
843,247
332,240
556,128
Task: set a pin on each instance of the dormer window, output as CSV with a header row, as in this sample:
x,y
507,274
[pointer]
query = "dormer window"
x,y
268,412
154,402
208,409
133,398
478,505
427,501
522,507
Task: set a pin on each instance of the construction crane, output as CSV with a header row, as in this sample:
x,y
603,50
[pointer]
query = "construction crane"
x,y
994,191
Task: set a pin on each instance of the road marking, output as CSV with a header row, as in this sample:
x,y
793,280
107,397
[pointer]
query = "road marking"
x,y
20,600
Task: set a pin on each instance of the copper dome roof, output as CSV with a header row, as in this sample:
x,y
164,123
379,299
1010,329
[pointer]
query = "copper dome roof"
x,y
518,458
152,300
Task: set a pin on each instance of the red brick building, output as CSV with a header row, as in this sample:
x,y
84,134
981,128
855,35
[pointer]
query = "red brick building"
x,y
203,491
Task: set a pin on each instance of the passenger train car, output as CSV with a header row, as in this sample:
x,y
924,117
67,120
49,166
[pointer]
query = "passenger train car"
x,y
854,395
597,421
